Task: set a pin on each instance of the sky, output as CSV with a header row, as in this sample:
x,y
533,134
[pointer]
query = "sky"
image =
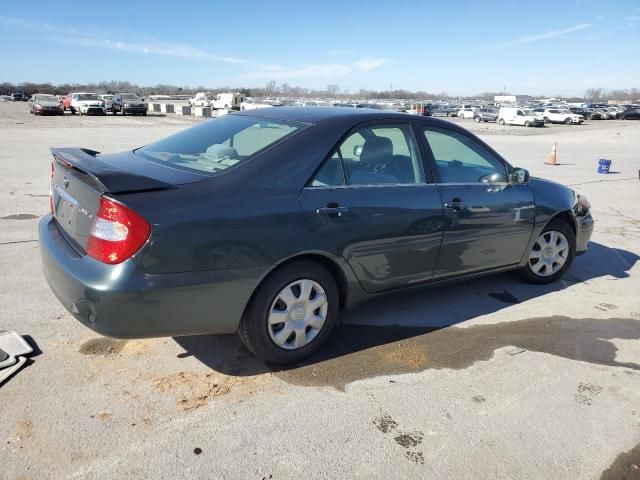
x,y
457,47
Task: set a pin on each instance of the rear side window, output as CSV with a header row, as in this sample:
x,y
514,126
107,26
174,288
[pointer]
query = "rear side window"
x,y
218,144
373,155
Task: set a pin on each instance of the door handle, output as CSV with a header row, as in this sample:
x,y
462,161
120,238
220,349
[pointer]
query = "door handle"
x,y
332,210
456,204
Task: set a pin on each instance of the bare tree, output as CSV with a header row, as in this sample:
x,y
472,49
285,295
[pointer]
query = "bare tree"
x,y
593,94
333,89
270,87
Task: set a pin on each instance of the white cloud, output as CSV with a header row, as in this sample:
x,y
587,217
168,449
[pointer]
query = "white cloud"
x,y
546,35
368,63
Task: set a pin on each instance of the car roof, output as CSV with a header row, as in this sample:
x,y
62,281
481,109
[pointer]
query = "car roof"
x,y
315,115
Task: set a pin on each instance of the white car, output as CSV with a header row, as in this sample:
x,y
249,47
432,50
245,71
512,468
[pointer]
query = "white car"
x,y
227,101
201,99
556,115
87,104
251,104
107,101
467,111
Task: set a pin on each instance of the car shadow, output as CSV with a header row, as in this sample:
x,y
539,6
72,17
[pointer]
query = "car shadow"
x,y
410,313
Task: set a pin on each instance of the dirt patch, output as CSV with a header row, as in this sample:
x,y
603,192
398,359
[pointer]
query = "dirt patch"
x,y
356,352
24,429
102,346
193,390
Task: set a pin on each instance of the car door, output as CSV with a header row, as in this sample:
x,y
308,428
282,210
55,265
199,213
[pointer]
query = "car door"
x,y
370,204
488,220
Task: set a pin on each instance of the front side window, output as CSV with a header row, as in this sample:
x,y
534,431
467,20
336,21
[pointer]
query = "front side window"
x,y
218,144
374,155
459,159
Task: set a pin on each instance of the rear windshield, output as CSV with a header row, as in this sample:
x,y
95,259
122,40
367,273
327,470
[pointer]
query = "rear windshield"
x,y
218,144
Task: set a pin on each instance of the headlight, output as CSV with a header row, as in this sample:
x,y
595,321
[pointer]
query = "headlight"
x,y
126,105
582,204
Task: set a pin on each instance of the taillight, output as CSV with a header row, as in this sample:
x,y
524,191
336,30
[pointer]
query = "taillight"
x,y
117,233
51,191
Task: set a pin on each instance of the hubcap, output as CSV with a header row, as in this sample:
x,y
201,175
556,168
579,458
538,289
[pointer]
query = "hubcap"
x,y
297,314
549,253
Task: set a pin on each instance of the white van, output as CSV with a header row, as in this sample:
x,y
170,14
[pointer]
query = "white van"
x,y
518,116
228,101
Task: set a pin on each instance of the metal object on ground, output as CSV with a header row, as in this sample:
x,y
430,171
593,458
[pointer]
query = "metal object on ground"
x,y
12,350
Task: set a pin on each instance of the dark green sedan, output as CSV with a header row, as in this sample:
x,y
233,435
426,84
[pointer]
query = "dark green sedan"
x,y
268,222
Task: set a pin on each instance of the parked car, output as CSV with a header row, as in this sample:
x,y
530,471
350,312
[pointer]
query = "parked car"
x,y
250,104
108,102
86,104
128,104
486,115
443,110
556,115
630,114
595,114
587,114
241,224
467,111
519,116
201,99
43,104
18,97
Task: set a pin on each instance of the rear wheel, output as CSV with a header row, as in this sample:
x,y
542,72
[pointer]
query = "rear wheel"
x,y
478,119
551,253
546,120
501,121
291,314
527,123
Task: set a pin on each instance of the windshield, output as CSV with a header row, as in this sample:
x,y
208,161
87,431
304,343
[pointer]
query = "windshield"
x,y
88,96
107,97
46,98
129,96
219,144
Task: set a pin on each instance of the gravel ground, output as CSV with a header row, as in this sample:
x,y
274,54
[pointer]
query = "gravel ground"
x,y
524,382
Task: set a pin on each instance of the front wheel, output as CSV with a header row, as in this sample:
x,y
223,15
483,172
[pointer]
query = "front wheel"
x,y
568,121
292,313
478,119
551,254
501,121
527,123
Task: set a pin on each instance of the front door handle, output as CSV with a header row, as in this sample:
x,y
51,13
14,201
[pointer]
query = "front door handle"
x,y
456,204
332,210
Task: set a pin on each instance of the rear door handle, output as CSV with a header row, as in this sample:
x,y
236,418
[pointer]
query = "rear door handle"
x,y
332,211
456,204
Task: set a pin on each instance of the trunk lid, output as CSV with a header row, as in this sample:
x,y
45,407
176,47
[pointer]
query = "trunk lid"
x,y
81,176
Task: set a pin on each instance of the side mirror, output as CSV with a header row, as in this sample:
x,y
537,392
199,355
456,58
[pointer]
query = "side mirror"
x,y
520,176
357,150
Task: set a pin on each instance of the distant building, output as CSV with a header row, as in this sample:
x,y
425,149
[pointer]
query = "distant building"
x,y
515,99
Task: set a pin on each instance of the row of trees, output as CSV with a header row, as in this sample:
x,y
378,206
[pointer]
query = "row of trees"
x,y
272,89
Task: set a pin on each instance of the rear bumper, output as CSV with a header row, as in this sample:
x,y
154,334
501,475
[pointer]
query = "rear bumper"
x,y
124,302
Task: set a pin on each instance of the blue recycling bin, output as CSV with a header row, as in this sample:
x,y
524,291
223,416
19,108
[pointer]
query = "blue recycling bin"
x,y
604,166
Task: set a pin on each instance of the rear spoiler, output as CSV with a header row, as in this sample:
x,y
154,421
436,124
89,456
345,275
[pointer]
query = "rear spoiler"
x,y
104,176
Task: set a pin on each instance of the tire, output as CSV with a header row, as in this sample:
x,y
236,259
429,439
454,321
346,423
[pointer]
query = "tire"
x,y
144,114
568,121
258,335
543,275
478,119
501,121
527,123
546,121
122,111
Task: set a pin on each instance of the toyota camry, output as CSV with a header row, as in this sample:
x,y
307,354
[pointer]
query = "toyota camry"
x,y
269,222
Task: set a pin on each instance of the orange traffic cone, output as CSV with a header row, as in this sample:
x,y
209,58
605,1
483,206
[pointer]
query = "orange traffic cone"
x,y
553,158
